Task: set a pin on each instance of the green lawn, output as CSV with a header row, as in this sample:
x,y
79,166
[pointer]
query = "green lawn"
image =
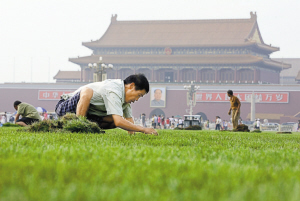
x,y
176,165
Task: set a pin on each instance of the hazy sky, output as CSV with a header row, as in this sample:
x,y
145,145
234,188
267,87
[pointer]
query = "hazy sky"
x,y
40,36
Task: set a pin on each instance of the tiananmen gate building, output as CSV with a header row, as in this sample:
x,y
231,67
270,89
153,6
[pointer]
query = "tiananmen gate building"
x,y
203,51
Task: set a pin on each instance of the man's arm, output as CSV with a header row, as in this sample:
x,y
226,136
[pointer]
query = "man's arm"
x,y
132,121
129,126
229,112
239,105
17,117
86,95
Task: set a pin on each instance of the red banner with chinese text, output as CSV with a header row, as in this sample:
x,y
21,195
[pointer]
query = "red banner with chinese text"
x,y
261,97
52,94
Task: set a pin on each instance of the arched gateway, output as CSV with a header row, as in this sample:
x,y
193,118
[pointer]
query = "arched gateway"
x,y
157,112
203,116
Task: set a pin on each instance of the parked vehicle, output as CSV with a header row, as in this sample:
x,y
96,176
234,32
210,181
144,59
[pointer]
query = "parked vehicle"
x,y
270,126
192,120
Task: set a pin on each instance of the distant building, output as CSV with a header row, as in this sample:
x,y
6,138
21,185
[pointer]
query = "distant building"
x,y
67,76
289,76
203,51
298,78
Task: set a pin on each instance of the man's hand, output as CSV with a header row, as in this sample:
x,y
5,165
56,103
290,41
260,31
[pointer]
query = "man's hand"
x,y
127,124
150,131
17,118
229,112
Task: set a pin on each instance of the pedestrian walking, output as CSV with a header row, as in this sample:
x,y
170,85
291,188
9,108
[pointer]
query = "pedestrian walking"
x,y
168,123
144,120
234,110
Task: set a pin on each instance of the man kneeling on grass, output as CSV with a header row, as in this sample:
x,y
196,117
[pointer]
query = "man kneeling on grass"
x,y
107,102
28,112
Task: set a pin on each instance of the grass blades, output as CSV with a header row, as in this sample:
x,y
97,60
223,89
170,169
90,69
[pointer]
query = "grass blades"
x,y
176,165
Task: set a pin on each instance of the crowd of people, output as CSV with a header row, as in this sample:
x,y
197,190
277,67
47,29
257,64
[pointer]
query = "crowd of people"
x,y
160,122
3,118
224,125
221,125
6,117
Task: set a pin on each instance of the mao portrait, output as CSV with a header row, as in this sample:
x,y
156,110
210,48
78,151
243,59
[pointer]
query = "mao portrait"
x,y
158,97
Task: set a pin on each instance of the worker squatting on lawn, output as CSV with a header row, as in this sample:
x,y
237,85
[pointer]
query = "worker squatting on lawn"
x,y
235,107
28,112
107,102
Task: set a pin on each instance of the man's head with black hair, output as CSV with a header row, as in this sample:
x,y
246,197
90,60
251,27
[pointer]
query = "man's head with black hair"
x,y
139,80
16,103
230,93
136,86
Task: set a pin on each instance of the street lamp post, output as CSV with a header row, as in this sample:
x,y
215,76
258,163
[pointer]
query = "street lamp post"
x,y
99,70
252,99
191,96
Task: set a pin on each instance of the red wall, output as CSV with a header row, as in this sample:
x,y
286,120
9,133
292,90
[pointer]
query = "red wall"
x,y
9,96
175,104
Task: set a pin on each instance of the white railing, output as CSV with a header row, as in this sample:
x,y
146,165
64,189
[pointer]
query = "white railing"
x,y
288,128
281,128
269,128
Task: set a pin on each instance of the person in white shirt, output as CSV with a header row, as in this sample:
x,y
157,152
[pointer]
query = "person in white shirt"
x,y
225,125
258,123
172,121
108,103
176,122
180,123
218,123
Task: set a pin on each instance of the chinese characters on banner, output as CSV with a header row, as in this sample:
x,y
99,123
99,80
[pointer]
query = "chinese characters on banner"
x,y
263,97
52,94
